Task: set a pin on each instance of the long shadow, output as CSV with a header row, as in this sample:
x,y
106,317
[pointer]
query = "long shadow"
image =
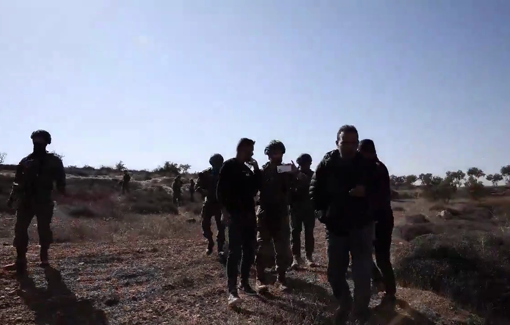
x,y
58,304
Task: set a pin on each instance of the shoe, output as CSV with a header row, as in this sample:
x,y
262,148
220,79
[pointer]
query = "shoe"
x,y
261,286
209,249
233,299
296,262
388,301
20,266
282,283
247,289
310,262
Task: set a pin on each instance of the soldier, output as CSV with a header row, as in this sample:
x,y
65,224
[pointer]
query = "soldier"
x,y
32,195
177,187
273,216
207,185
383,271
342,193
302,213
192,190
125,181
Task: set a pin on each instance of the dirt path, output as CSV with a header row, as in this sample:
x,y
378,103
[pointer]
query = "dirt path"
x,y
172,282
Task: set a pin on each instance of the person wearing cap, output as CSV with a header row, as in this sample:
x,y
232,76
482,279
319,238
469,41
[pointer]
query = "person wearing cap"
x,y
32,196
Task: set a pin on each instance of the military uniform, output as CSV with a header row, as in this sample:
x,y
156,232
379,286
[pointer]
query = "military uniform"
x,y
177,191
302,214
125,182
192,191
32,195
273,221
207,184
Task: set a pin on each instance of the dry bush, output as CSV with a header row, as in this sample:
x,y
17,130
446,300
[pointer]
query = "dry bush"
x,y
470,267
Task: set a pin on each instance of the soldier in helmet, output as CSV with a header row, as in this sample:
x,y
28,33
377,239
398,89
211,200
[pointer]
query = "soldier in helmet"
x,y
177,189
273,215
125,181
302,213
192,188
32,196
207,185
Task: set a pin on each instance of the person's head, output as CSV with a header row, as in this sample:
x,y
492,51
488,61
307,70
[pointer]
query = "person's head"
x,y
216,161
367,149
347,141
40,140
245,148
125,171
192,181
178,177
304,161
275,151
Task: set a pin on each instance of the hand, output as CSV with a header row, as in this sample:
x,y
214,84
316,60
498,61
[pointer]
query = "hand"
x,y
225,217
254,163
293,166
358,191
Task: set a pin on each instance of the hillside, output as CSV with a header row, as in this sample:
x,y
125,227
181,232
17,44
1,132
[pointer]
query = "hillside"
x,y
138,259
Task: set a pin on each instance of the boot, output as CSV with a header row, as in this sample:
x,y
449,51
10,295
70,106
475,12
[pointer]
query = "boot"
x,y
296,262
20,265
44,257
246,288
210,247
282,281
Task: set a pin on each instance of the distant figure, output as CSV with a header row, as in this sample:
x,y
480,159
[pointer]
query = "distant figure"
x,y
302,213
177,189
207,185
32,195
126,179
342,190
237,187
383,215
192,190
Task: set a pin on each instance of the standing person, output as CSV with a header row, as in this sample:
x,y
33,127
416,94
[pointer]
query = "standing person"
x,y
177,189
32,193
273,216
125,181
192,190
302,213
383,214
341,192
207,185
237,187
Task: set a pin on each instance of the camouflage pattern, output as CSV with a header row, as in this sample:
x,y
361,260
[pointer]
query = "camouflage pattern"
x,y
207,184
302,214
32,192
273,220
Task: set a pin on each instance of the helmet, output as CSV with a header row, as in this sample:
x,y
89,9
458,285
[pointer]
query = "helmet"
x,y
275,144
216,159
42,134
304,158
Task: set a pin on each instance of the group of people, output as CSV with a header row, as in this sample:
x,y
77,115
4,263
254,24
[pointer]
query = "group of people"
x,y
349,193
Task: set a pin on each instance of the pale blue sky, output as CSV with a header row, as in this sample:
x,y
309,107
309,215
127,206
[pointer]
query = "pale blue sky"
x,y
149,81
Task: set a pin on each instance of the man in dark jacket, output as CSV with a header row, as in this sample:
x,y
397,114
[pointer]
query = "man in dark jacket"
x,y
207,184
32,195
383,215
237,187
341,192
126,179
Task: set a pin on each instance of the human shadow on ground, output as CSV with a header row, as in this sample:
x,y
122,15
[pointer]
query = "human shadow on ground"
x,y
58,304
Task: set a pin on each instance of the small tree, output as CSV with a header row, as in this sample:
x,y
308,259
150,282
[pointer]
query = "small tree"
x,y
475,172
410,180
58,155
505,172
2,157
425,179
496,179
455,178
475,188
120,166
184,168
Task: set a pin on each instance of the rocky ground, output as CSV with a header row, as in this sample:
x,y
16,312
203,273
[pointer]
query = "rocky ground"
x,y
171,281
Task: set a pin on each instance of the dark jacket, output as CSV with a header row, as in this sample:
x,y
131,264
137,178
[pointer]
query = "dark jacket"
x,y
300,192
237,187
34,178
382,201
329,192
